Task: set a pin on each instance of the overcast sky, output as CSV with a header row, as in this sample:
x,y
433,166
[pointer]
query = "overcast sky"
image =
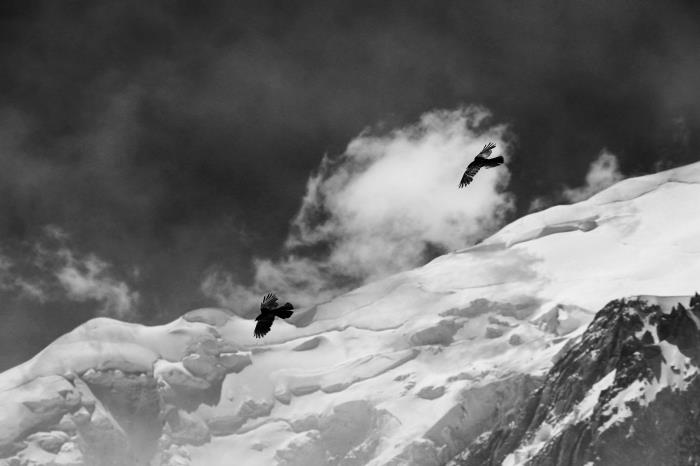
x,y
151,149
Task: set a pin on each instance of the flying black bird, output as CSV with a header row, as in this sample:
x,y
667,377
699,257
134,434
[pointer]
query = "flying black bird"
x,y
481,160
268,311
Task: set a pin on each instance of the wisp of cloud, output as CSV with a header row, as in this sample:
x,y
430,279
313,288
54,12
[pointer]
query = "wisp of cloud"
x,y
387,204
88,278
54,271
602,173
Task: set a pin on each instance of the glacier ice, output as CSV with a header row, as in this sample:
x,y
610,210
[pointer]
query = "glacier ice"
x,y
400,371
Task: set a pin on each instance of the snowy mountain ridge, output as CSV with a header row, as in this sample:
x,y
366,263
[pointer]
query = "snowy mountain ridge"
x,y
625,393
409,370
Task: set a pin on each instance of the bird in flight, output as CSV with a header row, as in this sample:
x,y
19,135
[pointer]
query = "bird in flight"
x,y
481,160
268,311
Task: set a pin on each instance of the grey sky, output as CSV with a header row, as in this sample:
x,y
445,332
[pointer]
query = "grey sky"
x,y
169,139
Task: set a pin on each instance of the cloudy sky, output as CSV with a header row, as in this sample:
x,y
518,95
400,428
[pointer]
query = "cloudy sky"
x,y
159,156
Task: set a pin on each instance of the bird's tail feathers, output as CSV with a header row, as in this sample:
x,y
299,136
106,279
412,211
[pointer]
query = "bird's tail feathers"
x,y
494,162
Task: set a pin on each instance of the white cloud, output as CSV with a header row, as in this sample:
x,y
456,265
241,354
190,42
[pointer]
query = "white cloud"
x,y
221,286
382,206
52,271
30,289
602,173
88,278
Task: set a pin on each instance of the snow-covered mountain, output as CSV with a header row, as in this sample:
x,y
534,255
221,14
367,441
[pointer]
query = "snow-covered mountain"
x,y
421,368
625,393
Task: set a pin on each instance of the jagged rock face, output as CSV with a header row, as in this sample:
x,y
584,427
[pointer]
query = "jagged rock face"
x,y
626,393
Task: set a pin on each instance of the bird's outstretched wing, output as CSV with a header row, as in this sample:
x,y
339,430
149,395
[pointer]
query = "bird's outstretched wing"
x,y
472,169
487,149
263,326
268,302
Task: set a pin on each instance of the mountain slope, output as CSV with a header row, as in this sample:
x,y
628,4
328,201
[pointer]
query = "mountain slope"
x,y
407,370
626,393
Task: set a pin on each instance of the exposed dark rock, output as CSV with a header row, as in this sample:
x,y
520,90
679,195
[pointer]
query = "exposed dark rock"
x,y
494,332
481,408
496,321
659,431
250,409
520,311
515,340
430,392
440,334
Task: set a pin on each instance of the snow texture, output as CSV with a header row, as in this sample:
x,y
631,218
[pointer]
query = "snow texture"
x,y
403,371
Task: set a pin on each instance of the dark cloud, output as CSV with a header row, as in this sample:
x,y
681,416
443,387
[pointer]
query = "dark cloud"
x,y
177,137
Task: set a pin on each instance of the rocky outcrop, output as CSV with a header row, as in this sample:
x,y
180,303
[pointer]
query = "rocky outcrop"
x,y
227,425
32,407
116,413
627,392
337,438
